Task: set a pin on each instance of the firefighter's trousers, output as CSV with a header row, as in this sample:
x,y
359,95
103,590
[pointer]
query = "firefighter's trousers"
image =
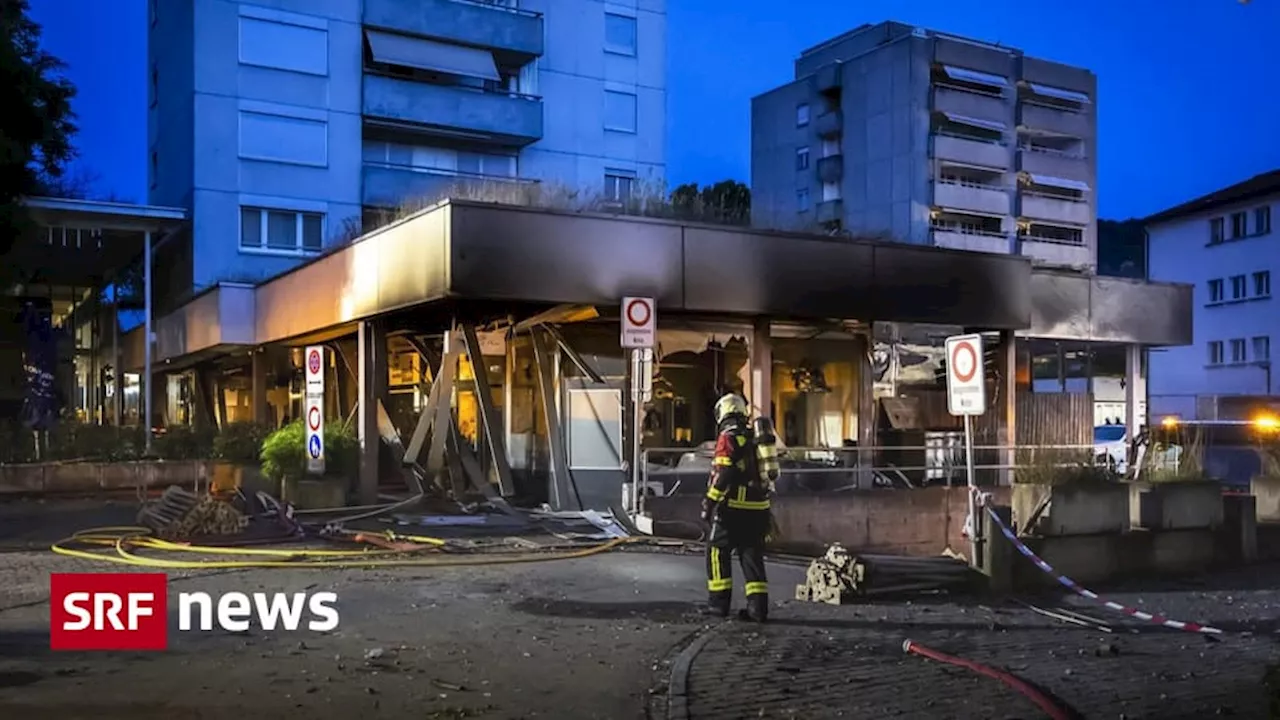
x,y
743,532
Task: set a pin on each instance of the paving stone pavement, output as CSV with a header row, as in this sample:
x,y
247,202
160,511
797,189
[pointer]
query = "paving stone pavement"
x,y
819,661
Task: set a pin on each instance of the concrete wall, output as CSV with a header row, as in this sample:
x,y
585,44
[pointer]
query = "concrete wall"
x,y
916,522
1179,251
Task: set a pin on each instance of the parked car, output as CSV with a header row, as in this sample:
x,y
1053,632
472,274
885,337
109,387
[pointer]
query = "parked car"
x,y
1111,447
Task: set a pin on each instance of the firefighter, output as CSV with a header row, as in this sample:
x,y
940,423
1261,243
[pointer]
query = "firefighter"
x,y
737,508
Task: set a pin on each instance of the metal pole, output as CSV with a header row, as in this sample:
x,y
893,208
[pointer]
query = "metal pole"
x,y
636,422
146,340
973,485
117,375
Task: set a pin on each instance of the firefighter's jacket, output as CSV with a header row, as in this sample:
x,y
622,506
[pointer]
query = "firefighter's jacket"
x,y
735,480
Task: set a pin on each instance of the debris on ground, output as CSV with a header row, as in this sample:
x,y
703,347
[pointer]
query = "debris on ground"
x,y
839,576
180,514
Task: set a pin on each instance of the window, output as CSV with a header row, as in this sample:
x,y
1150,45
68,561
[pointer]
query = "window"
x,y
802,200
1262,220
1215,291
1262,284
1261,348
1216,234
619,34
594,428
1237,350
283,138
1238,287
1239,225
618,185
1215,352
272,41
281,230
619,111
802,114
802,158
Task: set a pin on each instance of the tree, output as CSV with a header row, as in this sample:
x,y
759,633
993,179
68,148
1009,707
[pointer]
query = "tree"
x,y
728,202
36,124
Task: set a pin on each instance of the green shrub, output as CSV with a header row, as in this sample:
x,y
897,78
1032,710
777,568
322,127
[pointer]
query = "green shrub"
x,y
86,441
284,451
181,442
1058,466
240,442
17,443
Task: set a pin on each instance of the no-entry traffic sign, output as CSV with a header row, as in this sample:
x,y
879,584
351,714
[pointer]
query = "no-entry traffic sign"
x,y
313,397
966,384
639,322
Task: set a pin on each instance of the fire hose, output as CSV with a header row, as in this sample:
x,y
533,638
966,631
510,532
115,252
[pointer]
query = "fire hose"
x,y
1033,694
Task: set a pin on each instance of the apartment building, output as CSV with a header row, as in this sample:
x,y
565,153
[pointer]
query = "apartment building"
x,y
931,139
285,125
1224,245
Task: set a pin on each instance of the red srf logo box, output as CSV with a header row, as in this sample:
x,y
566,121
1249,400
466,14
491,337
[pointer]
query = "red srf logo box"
x,y
108,611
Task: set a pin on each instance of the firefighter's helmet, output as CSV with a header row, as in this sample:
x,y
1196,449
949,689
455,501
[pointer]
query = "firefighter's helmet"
x,y
731,404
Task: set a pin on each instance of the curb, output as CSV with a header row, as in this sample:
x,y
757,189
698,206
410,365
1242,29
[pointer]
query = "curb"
x,y
678,684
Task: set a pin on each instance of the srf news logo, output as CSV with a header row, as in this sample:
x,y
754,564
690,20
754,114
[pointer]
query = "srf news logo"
x,y
130,611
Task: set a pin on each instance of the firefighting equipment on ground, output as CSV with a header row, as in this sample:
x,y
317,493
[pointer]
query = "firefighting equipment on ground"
x,y
737,508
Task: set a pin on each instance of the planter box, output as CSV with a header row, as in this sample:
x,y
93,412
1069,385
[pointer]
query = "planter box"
x,y
1073,509
227,477
315,493
1266,489
1188,505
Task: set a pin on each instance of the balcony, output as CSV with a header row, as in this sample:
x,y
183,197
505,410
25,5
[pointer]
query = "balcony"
x,y
490,24
829,78
957,239
1049,162
971,151
971,103
830,211
1055,209
829,125
1055,120
454,111
1044,251
831,168
971,197
387,185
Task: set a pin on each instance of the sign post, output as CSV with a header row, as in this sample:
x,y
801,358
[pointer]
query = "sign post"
x,y
966,397
639,335
313,404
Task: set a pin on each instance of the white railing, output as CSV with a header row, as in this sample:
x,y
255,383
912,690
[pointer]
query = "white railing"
x,y
1054,240
971,138
970,89
1049,194
962,182
505,5
443,172
1041,150
963,230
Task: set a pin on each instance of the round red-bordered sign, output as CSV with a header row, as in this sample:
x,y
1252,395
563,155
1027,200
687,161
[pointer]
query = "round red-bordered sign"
x,y
313,418
967,348
313,362
639,313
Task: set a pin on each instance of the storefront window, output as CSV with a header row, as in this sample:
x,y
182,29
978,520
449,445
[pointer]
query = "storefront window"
x,y
594,425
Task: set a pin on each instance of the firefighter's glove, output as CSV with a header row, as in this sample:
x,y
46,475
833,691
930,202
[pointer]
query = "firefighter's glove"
x,y
708,510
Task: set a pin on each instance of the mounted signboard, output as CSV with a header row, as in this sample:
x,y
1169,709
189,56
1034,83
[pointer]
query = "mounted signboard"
x,y
313,404
966,381
639,323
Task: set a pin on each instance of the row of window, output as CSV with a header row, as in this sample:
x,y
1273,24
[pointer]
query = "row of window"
x,y
1239,348
1240,287
1240,226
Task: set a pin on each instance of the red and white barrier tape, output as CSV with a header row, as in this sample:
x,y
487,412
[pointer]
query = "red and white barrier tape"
x,y
1089,594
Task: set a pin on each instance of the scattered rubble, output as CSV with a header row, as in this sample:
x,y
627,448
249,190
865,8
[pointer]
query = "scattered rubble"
x,y
839,576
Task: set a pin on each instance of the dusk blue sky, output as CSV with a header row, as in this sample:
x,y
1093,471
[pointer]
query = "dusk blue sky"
x,y
1187,95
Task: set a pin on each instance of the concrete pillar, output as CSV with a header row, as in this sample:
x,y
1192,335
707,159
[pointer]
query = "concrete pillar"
x,y
1007,397
1132,386
258,385
372,373
997,553
760,385
866,435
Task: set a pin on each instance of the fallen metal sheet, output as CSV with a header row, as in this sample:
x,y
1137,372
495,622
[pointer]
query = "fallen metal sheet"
x,y
458,520
605,522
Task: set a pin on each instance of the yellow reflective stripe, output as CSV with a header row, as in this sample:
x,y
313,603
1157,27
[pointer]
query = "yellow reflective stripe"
x,y
742,493
757,588
748,504
722,461
741,441
715,494
715,564
719,585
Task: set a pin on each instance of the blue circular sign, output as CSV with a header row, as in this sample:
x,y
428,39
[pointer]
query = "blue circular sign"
x,y
313,446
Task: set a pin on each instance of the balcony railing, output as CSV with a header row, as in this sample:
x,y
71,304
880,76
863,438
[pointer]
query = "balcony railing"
x,y
388,184
504,5
1041,150
962,182
967,230
1056,241
971,89
971,138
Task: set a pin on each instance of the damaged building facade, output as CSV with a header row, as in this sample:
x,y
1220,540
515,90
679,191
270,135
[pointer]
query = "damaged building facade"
x,y
477,347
